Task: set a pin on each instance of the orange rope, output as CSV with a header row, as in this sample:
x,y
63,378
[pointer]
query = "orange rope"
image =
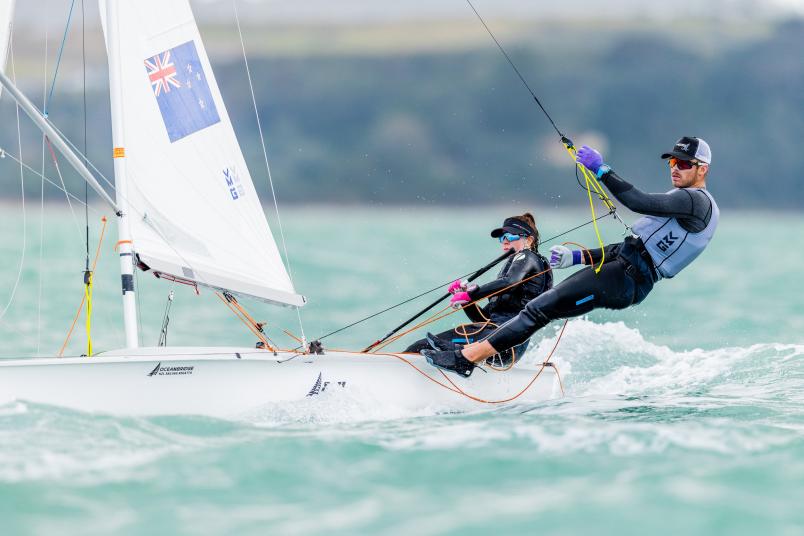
x,y
454,388
247,320
292,336
84,297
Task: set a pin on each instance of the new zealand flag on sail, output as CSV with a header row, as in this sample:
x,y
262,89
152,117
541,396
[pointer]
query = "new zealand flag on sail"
x,y
181,89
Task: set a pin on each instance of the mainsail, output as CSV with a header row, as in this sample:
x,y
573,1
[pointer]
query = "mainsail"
x,y
194,211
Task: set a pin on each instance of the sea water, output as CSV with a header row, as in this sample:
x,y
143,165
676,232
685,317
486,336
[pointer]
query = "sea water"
x,y
684,415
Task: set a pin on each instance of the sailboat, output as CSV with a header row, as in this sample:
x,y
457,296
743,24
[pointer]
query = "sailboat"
x,y
187,211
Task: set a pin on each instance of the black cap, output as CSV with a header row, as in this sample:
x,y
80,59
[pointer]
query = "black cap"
x,y
691,148
513,226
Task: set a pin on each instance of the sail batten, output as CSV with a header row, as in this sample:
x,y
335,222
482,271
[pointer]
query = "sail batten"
x,y
193,203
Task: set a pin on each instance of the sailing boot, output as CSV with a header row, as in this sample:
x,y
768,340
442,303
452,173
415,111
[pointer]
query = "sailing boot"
x,y
451,360
439,344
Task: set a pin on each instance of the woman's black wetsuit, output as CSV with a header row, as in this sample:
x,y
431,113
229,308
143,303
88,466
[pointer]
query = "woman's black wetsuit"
x,y
501,307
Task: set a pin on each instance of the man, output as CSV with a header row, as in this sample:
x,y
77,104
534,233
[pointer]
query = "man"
x,y
676,228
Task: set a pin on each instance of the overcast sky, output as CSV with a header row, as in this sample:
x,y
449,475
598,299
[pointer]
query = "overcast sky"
x,y
31,13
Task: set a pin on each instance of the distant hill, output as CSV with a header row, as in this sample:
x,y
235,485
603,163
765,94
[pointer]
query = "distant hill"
x,y
430,113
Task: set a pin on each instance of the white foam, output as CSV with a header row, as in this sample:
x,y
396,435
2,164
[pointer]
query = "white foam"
x,y
335,406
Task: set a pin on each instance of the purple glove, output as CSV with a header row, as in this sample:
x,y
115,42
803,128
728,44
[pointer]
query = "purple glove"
x,y
459,299
454,287
589,158
564,257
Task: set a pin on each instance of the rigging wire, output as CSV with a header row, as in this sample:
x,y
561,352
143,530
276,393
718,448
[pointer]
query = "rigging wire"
x,y
58,59
10,54
46,108
590,178
265,156
522,78
44,178
166,319
40,270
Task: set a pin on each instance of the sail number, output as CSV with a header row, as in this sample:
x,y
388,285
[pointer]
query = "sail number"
x,y
233,183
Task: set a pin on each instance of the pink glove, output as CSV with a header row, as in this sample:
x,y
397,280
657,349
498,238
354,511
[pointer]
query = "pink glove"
x,y
460,299
454,287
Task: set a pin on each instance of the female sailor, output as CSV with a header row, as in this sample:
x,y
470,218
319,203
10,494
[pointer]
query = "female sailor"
x,y
525,275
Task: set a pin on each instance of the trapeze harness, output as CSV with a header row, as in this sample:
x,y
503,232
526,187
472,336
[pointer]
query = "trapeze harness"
x,y
676,228
502,307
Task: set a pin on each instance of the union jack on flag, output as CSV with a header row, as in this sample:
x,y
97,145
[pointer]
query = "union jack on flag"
x,y
162,73
182,91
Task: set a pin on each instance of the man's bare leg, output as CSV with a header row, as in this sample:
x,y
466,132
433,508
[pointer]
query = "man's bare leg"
x,y
478,351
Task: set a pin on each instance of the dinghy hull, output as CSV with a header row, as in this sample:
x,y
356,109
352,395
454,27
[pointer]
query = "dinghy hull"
x,y
227,382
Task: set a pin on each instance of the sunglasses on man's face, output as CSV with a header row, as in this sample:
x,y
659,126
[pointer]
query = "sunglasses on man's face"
x,y
682,164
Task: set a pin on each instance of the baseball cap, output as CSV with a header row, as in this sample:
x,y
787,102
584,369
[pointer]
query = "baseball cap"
x,y
691,148
513,226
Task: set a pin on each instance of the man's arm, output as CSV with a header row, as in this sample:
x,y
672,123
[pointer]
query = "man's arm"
x,y
691,207
597,254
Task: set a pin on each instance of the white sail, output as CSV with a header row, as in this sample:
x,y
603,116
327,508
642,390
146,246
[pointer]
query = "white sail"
x,y
194,211
6,18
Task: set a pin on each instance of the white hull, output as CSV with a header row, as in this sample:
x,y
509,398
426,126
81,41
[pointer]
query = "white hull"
x,y
225,382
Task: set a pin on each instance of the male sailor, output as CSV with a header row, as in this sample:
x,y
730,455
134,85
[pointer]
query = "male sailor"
x,y
675,229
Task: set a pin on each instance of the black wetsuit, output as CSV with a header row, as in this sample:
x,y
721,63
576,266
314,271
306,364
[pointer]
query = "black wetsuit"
x,y
501,307
626,277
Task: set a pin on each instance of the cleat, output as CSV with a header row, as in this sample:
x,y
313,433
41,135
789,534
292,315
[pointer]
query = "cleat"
x,y
450,360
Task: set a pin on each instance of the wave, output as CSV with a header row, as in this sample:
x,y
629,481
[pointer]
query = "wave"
x,y
614,359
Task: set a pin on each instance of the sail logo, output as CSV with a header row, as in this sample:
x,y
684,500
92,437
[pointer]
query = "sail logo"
x,y
182,91
233,183
159,370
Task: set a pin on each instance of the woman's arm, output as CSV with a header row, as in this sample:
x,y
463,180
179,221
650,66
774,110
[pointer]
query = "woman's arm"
x,y
522,265
475,313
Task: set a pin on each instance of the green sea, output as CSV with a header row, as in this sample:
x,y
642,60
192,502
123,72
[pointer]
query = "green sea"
x,y
684,415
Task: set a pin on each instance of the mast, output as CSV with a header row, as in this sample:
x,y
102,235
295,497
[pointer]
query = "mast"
x,y
121,179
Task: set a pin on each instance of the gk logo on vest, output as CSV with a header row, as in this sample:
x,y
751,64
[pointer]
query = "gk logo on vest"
x,y
668,240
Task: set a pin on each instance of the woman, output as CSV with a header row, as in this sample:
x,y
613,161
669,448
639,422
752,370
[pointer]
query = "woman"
x,y
525,275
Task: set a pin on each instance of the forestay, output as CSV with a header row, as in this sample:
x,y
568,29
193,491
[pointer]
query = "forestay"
x,y
194,210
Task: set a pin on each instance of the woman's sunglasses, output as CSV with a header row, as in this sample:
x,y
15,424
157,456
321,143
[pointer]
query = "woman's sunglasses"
x,y
510,237
682,164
